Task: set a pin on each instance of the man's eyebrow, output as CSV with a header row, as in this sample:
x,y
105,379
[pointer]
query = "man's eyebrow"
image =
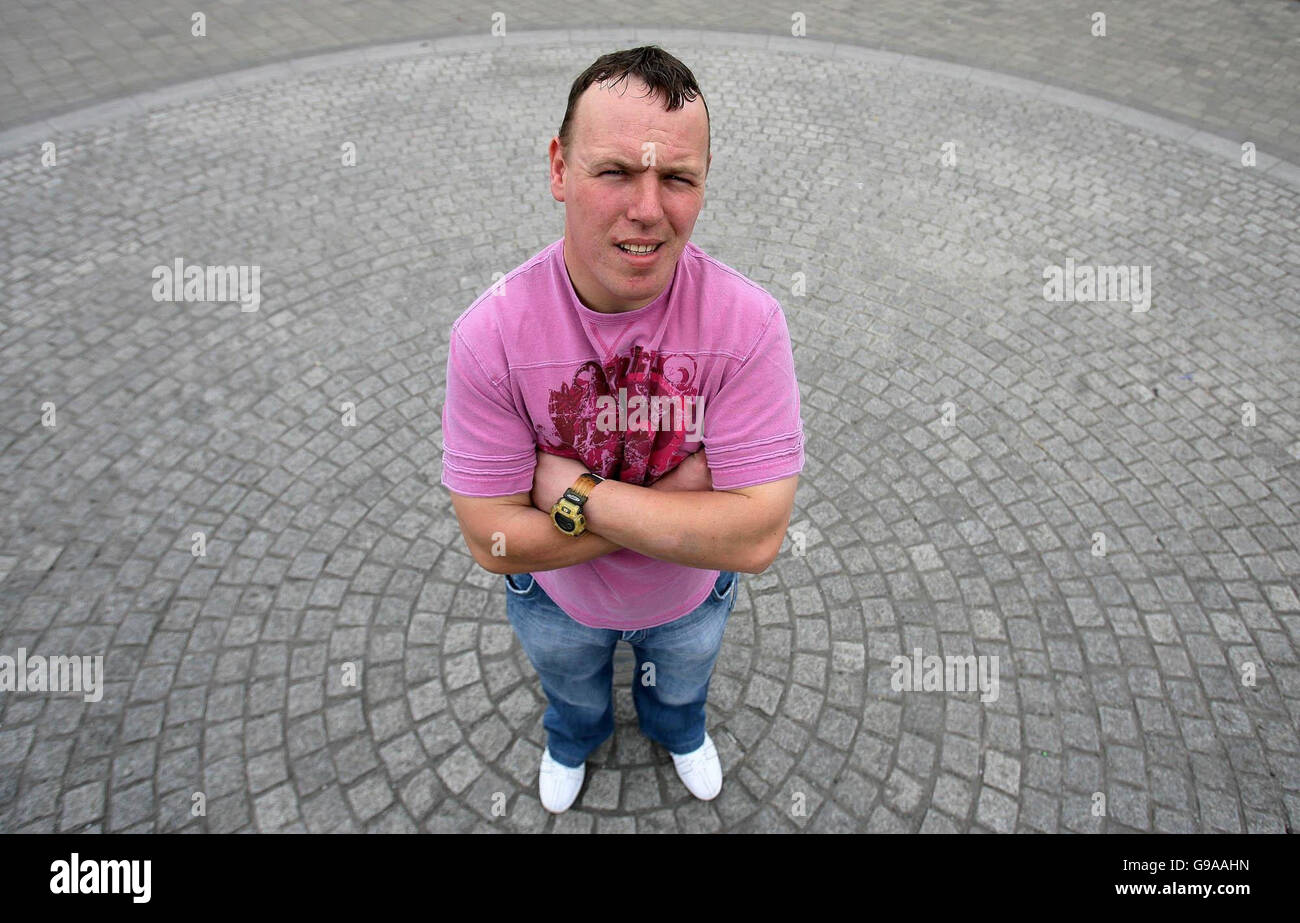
x,y
624,165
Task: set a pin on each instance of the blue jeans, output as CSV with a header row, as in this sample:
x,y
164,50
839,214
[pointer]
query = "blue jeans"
x,y
674,663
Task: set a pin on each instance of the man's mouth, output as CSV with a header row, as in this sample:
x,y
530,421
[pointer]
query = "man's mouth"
x,y
639,249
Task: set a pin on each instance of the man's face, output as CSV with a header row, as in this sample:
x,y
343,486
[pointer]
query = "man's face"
x,y
611,197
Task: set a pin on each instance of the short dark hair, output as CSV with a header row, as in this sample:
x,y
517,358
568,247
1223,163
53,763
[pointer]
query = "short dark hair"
x,y
656,68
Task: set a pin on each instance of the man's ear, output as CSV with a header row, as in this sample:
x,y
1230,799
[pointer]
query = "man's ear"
x,y
557,168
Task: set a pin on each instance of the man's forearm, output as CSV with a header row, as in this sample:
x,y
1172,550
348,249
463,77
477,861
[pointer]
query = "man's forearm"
x,y
532,543
714,530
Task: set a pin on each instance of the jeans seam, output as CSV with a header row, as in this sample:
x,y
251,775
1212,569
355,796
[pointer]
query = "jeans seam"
x,y
713,590
531,585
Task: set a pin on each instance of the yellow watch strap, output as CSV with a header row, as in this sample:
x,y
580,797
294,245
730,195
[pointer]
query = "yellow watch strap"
x,y
584,484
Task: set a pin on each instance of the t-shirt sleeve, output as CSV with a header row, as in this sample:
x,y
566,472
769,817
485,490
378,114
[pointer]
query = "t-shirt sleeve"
x,y
488,449
752,430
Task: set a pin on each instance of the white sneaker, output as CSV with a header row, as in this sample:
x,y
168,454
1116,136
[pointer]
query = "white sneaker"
x,y
559,784
700,770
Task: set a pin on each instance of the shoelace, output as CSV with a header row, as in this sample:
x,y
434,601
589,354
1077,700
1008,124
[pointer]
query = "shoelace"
x,y
689,762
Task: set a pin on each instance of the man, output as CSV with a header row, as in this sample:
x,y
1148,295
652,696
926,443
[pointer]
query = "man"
x,y
582,393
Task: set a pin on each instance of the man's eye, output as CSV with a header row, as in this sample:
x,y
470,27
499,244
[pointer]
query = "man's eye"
x,y
680,179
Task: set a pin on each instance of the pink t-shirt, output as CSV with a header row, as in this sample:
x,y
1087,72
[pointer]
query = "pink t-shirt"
x,y
630,395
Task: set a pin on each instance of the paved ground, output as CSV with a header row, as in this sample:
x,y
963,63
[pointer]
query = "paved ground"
x,y
326,545
1230,67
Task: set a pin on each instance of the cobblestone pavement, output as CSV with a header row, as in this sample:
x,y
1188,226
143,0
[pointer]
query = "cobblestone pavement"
x,y
1231,68
1126,675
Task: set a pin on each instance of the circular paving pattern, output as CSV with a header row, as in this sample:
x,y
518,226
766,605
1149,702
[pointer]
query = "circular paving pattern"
x,y
967,440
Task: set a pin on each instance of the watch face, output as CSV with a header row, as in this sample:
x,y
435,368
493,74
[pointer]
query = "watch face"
x,y
564,522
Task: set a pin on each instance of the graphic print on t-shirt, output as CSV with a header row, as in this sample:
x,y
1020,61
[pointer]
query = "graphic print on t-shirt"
x,y
606,417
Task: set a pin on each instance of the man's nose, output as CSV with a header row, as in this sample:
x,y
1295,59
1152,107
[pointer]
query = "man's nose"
x,y
646,205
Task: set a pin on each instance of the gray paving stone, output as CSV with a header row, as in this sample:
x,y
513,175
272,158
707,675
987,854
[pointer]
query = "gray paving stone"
x,y
81,806
276,809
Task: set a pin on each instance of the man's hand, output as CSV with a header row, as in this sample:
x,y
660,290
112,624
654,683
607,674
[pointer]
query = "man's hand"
x,y
691,473
552,477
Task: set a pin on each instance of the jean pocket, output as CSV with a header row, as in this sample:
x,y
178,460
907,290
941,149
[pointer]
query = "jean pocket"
x,y
725,584
520,584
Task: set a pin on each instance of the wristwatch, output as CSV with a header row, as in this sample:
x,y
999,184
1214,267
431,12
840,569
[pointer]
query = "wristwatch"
x,y
567,512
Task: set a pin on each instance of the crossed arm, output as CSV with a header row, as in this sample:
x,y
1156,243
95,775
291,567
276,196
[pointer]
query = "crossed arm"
x,y
680,518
